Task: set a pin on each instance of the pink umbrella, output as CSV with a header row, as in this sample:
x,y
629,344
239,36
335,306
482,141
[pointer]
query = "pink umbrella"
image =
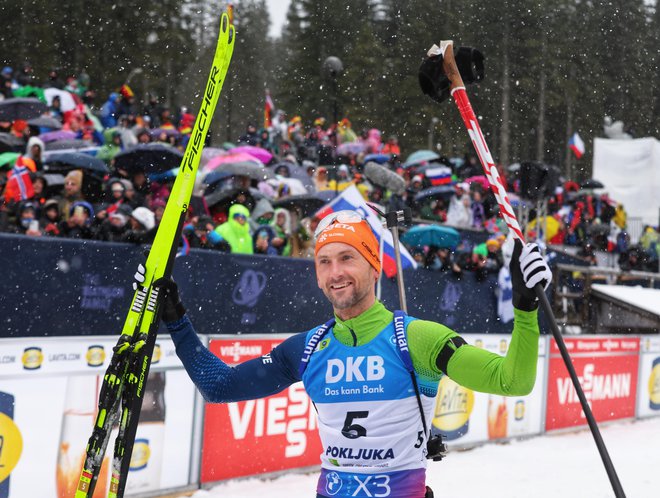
x,y
479,179
53,136
262,154
230,158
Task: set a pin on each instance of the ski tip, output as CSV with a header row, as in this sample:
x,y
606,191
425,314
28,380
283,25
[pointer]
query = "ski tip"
x,y
230,13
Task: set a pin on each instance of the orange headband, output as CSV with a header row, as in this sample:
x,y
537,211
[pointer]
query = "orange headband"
x,y
357,235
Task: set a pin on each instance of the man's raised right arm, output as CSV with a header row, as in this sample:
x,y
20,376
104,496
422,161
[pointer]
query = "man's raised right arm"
x,y
221,383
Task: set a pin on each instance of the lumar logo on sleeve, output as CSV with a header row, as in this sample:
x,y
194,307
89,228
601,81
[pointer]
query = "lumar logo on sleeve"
x,y
359,368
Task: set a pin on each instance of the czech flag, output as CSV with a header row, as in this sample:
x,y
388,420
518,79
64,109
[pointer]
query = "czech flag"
x,y
268,111
439,176
351,199
576,145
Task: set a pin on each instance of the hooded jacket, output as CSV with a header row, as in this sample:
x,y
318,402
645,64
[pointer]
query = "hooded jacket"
x,y
236,235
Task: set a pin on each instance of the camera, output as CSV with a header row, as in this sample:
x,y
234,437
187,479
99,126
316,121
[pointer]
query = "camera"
x,y
436,450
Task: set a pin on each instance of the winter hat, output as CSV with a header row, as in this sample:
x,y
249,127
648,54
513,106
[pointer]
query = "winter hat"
x,y
120,217
128,185
358,235
75,176
417,178
51,203
145,217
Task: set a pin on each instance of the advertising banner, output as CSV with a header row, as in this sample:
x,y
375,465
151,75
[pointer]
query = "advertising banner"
x,y
607,367
48,395
465,417
257,436
648,397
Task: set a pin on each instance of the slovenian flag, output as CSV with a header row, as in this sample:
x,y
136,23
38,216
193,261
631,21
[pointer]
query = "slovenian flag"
x,y
351,199
576,145
268,111
439,176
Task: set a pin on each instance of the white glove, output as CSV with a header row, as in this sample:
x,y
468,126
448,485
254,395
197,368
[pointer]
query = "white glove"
x,y
534,268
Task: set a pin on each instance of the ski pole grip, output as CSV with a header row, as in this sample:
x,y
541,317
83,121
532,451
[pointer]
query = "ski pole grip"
x,y
449,64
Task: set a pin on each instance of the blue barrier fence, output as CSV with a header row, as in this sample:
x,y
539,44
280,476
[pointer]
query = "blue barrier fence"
x,y
63,287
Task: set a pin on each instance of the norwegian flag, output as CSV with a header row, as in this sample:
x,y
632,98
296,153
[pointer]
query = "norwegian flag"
x,y
439,176
268,111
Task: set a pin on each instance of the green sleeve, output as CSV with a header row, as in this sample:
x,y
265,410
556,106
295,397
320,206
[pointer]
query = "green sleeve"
x,y
475,368
511,375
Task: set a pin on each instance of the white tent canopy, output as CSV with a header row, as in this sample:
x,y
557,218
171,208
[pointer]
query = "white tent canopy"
x,y
630,171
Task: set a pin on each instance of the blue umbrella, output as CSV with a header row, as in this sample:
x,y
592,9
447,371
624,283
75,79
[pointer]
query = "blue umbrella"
x,y
377,158
432,235
65,161
419,157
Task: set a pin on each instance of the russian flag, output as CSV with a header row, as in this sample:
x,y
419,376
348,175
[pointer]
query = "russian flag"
x,y
351,199
576,145
439,176
268,111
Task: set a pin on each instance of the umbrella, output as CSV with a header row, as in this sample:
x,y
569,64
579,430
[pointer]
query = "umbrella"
x,y
419,157
257,152
21,108
591,184
246,168
169,132
432,235
10,143
45,122
67,100
209,153
73,143
551,226
480,179
377,158
54,136
64,161
231,158
307,203
297,172
439,192
150,158
222,199
351,148
8,159
213,179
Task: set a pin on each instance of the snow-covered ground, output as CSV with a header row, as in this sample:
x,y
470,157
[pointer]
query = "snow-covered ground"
x,y
556,466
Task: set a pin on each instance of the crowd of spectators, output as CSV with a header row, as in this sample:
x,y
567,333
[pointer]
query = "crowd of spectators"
x,y
239,213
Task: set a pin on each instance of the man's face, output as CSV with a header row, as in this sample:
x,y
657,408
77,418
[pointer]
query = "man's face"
x,y
346,278
71,188
36,152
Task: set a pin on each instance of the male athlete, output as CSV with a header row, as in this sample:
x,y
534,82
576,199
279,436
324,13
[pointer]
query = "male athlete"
x,y
373,402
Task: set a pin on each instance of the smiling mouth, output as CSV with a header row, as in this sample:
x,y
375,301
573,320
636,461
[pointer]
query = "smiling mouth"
x,y
339,286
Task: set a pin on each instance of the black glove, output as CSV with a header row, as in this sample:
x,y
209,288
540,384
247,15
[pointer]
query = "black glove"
x,y
173,308
527,268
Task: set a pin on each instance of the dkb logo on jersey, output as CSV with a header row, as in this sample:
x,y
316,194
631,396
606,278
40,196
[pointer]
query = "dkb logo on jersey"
x,y
354,370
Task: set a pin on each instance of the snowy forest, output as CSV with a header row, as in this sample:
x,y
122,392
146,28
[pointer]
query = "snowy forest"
x,y
553,67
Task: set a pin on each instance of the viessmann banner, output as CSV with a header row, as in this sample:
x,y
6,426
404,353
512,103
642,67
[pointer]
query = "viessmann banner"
x,y
607,368
257,436
48,395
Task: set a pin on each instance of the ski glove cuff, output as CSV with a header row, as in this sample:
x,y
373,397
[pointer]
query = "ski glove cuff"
x,y
527,268
173,308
